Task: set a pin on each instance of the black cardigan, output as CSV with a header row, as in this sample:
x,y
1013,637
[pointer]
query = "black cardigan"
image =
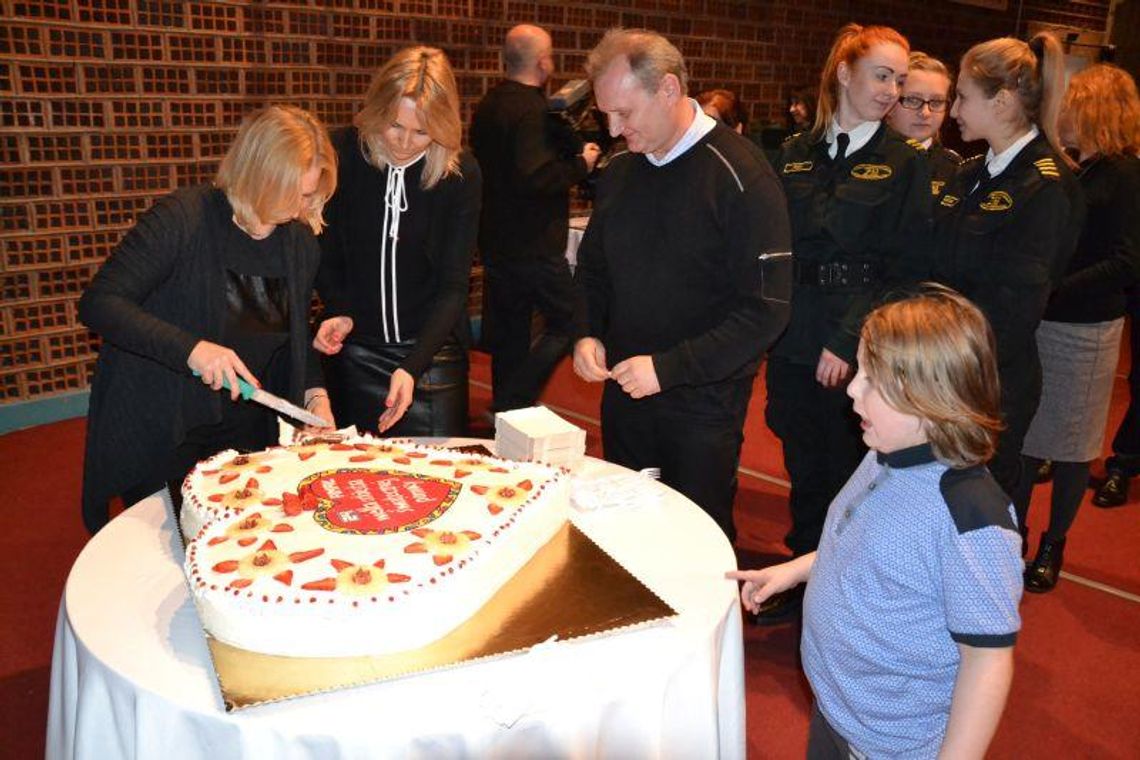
x,y
1107,259
159,293
349,277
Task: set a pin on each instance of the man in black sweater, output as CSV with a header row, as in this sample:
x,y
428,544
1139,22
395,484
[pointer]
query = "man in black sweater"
x,y
674,310
529,160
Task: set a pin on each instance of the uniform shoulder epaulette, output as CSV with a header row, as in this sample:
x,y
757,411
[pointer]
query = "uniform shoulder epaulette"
x,y
967,162
1047,168
916,144
953,155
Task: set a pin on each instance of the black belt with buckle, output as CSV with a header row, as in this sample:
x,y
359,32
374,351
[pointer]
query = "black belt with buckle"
x,y
836,274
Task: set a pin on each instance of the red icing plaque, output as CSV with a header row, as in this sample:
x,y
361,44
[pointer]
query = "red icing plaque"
x,y
377,501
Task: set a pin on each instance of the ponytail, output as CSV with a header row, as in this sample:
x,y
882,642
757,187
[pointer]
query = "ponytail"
x,y
1033,72
851,43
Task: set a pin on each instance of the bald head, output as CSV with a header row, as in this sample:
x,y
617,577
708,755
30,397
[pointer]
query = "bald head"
x,y
526,54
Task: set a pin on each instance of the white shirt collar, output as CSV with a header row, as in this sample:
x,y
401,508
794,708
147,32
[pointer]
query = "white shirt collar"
x,y
701,126
928,142
858,136
996,164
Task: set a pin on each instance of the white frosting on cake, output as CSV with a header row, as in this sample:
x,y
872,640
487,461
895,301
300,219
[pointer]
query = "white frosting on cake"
x,y
361,547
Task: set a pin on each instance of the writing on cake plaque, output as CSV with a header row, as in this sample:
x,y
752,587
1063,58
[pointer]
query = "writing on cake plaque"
x,y
377,501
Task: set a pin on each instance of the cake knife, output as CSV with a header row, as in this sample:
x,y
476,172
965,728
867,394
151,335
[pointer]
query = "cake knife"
x,y
276,403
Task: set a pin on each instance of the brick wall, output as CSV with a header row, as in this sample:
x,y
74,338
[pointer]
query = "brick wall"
x,y
107,104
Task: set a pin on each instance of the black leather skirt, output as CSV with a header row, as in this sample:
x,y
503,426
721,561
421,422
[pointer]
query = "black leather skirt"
x,y
358,378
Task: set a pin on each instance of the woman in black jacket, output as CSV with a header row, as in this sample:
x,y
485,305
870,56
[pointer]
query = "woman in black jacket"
x,y
859,202
397,255
1006,230
214,280
1079,336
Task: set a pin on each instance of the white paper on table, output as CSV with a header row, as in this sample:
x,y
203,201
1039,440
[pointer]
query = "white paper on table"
x,y
629,489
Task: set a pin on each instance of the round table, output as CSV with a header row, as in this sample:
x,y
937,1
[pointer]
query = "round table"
x,y
132,676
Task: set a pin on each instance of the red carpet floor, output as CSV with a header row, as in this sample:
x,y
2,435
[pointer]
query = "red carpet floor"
x,y
1076,692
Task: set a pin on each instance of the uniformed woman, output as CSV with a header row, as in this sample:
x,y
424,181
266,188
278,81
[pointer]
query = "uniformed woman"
x,y
1079,336
859,199
1005,232
919,114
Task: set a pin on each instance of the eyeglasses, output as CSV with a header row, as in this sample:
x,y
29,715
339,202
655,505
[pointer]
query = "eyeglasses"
x,y
915,103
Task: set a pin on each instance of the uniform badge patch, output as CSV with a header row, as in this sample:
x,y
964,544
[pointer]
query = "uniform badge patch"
x,y
797,166
949,201
871,171
936,186
997,200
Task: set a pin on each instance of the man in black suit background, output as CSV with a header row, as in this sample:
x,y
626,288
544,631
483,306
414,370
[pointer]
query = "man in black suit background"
x,y
530,160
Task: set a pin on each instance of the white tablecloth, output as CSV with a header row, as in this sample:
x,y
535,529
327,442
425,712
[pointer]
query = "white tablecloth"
x,y
132,677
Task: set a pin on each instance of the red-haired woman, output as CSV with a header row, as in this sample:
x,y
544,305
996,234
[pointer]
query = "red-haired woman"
x,y
1079,336
1005,232
859,199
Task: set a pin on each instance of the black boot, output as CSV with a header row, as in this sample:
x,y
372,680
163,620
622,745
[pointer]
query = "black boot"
x,y
1113,492
1042,575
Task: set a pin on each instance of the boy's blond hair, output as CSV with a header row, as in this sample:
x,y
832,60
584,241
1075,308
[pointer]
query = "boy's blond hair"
x,y
932,355
262,170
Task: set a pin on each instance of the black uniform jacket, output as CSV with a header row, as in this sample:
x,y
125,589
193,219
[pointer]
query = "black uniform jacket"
x,y
1006,245
944,167
529,160
860,226
160,292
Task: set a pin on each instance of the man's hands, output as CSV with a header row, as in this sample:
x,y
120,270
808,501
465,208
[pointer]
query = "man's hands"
x,y
220,366
590,153
831,371
636,375
400,393
331,334
590,360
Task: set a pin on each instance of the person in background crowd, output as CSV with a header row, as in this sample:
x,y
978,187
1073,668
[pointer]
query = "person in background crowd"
x,y
725,107
801,109
397,255
214,280
1079,335
1006,229
919,115
859,199
529,162
673,316
911,611
1124,463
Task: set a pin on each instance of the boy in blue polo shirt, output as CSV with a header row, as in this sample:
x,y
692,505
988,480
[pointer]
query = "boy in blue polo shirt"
x,y
910,613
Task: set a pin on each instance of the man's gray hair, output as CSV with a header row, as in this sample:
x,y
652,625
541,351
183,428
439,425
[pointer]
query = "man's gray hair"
x,y
650,57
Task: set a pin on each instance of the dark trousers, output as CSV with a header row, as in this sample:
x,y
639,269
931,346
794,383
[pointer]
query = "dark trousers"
x,y
1020,396
359,376
824,742
822,442
1126,444
693,434
512,292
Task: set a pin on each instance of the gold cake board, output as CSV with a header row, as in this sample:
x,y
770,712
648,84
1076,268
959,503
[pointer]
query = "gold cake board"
x,y
569,589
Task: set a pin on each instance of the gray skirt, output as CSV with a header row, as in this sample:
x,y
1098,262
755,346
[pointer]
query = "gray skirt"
x,y
1078,364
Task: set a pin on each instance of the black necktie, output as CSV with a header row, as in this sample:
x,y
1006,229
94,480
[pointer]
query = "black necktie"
x,y
841,141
